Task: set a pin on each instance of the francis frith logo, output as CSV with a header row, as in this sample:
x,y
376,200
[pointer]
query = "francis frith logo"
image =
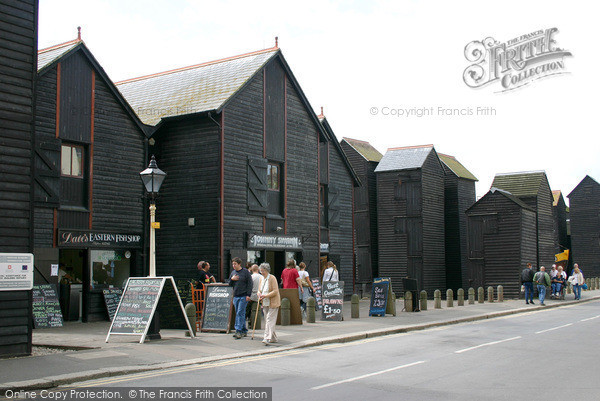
x,y
516,62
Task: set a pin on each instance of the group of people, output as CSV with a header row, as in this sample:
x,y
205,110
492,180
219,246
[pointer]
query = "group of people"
x,y
255,284
556,280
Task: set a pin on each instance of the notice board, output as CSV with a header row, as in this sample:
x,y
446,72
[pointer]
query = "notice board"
x,y
318,290
112,297
46,308
218,303
333,300
138,304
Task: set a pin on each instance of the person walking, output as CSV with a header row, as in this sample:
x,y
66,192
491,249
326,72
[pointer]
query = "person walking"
x,y
241,281
542,279
290,277
527,282
577,281
331,273
268,294
306,285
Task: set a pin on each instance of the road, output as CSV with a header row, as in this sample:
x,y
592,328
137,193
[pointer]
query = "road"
x,y
548,354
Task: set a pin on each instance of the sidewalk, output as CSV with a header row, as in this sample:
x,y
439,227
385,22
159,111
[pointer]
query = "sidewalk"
x,y
123,354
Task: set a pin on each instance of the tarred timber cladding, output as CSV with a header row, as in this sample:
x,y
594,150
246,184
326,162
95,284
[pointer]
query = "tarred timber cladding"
x,y
434,270
584,209
545,217
15,323
341,236
508,238
365,212
188,151
392,246
243,139
302,184
118,160
18,46
466,198
560,225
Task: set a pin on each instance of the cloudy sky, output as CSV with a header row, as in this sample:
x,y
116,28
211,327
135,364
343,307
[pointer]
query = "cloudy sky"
x,y
363,60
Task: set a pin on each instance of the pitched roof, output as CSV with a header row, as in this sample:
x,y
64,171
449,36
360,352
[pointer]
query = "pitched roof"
x,y
330,135
522,184
586,178
506,194
405,158
456,167
365,149
48,55
556,195
193,89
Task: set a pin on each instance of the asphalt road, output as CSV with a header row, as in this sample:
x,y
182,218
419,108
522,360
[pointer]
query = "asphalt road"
x,y
548,354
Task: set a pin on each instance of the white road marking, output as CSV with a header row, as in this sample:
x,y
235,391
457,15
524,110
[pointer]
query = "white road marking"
x,y
590,318
486,344
554,328
367,375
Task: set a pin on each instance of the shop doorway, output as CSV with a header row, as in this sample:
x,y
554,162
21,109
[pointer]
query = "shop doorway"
x,y
276,259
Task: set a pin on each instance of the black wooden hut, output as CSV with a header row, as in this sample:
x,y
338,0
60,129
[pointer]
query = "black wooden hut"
x,y
252,172
364,159
560,222
584,210
534,190
89,209
410,217
18,47
459,195
501,241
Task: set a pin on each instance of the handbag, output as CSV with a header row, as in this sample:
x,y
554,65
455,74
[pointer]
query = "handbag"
x,y
584,286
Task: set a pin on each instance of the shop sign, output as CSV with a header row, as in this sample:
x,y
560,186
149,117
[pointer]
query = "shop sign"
x,y
270,241
324,248
92,239
16,271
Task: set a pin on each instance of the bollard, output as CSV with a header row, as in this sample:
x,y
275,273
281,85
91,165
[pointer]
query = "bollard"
x,y
480,295
449,298
423,300
471,296
254,316
285,312
190,312
310,309
460,297
597,282
393,304
490,294
354,312
500,293
408,301
437,297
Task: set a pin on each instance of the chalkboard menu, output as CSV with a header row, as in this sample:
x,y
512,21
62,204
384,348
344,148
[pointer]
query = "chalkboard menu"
x,y
46,308
318,292
217,308
333,300
379,297
138,302
169,309
112,296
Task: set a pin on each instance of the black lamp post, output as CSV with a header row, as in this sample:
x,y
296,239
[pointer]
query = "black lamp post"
x,y
152,177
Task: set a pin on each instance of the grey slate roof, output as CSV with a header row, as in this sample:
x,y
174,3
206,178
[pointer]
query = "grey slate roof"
x,y
193,89
407,158
47,56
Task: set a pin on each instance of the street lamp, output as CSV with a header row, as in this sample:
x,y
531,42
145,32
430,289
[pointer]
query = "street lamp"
x,y
152,177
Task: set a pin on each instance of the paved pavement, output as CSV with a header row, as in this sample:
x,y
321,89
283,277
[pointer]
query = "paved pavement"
x,y
90,357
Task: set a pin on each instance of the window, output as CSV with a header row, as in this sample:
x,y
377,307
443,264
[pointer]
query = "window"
x,y
273,177
71,161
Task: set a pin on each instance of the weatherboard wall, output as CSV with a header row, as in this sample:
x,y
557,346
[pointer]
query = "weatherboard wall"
x,y
18,48
584,209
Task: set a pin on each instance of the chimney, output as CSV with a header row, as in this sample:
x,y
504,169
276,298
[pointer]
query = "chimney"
x,y
78,33
276,42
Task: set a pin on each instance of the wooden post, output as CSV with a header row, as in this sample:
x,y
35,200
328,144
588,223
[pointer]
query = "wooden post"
x,y
490,294
460,295
437,297
254,316
500,293
354,312
449,298
310,309
480,295
423,300
285,312
471,296
408,301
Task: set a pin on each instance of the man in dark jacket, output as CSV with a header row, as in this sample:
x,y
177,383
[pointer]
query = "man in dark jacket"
x,y
241,281
527,281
